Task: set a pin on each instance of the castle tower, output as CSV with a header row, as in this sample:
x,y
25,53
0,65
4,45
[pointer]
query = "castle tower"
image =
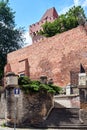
x,y
50,15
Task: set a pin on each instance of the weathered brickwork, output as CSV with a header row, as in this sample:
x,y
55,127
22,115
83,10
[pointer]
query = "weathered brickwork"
x,y
54,57
74,78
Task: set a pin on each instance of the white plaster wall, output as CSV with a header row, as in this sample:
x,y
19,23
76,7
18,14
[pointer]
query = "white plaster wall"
x,y
68,101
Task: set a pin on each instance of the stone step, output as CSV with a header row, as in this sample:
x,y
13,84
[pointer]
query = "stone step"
x,y
63,118
80,127
68,126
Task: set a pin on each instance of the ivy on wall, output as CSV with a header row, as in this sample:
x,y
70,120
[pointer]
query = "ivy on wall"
x,y
28,85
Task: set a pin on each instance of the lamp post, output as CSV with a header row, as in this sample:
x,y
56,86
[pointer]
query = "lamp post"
x,y
11,83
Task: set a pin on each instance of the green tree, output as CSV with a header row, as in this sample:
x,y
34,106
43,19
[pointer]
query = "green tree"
x,y
49,29
63,23
11,38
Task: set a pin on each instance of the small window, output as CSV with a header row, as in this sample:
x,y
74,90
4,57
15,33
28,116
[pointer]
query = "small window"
x,y
22,74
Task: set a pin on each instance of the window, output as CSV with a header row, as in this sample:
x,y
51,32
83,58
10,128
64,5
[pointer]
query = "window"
x,y
21,74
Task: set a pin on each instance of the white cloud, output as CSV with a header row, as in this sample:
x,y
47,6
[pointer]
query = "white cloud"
x,y
83,3
65,9
76,2
28,39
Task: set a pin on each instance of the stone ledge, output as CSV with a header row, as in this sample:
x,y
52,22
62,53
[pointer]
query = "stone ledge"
x,y
63,96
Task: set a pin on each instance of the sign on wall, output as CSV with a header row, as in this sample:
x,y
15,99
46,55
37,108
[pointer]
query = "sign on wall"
x,y
16,91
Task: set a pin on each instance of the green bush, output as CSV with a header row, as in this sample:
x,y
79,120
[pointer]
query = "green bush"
x,y
23,80
28,85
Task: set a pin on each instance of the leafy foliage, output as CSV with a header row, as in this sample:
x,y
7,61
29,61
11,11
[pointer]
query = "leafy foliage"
x,y
28,85
23,80
63,23
10,37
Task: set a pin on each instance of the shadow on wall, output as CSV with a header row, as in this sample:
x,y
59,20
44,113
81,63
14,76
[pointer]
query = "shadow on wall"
x,y
46,67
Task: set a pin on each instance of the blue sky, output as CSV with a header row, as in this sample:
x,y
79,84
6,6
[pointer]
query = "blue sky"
x,y
31,11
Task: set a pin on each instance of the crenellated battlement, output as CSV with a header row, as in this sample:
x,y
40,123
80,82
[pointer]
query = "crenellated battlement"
x,y
49,16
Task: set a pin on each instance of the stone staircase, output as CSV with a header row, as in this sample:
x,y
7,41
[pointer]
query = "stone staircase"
x,y
63,118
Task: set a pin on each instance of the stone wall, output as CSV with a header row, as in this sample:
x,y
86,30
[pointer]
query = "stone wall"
x,y
27,109
54,57
2,105
83,98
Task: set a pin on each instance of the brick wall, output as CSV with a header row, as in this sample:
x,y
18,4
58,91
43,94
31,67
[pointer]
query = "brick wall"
x,y
74,78
54,57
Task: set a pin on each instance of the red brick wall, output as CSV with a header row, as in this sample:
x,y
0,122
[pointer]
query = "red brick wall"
x,y
54,57
38,26
74,78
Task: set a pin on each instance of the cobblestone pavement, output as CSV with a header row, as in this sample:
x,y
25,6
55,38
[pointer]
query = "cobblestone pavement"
x,y
5,128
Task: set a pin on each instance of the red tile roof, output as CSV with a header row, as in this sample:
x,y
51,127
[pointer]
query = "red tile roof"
x,y
49,16
50,13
